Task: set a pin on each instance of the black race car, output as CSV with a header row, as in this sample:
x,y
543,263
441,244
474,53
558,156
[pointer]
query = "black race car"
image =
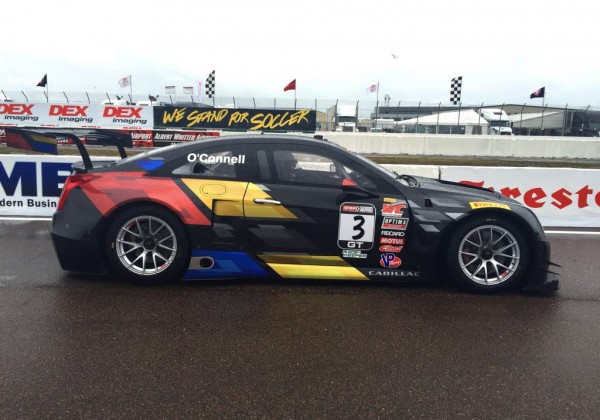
x,y
253,206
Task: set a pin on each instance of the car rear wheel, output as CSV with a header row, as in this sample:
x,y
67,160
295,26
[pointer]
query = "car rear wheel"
x,y
487,255
147,245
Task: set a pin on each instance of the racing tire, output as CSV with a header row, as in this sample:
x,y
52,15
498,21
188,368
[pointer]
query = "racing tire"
x,y
487,255
147,245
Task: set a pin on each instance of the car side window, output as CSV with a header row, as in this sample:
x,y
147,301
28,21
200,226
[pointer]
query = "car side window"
x,y
312,168
222,162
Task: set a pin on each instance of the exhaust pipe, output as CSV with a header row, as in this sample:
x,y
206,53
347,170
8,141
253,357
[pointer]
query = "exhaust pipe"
x,y
206,263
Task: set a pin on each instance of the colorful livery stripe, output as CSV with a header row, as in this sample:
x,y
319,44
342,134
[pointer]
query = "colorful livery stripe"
x,y
300,266
227,264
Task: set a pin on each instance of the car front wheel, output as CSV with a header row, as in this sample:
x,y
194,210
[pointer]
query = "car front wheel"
x,y
487,255
147,245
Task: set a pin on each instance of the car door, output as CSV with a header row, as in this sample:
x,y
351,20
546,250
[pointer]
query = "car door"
x,y
216,179
321,215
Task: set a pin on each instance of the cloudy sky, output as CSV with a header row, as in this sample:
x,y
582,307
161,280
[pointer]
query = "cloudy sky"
x,y
335,49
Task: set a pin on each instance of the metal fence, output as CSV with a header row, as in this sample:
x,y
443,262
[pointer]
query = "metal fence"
x,y
386,115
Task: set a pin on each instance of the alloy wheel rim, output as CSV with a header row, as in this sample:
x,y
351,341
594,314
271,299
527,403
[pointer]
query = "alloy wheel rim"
x,y
489,255
146,245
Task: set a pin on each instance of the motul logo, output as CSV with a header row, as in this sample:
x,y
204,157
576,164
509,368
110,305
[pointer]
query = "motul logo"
x,y
122,112
16,109
68,111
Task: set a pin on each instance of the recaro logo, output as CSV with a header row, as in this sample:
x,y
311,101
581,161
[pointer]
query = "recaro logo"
x,y
122,112
16,109
68,110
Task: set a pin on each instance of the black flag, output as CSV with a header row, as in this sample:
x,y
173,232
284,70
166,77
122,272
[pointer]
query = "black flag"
x,y
538,93
44,81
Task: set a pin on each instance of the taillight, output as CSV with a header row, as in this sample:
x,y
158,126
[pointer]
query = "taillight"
x,y
72,181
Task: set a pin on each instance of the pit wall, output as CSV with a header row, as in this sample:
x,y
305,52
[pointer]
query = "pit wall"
x,y
30,186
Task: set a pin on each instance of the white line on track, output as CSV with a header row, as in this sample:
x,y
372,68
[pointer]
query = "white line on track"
x,y
572,232
27,219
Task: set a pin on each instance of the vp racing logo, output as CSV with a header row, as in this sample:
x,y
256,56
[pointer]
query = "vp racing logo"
x,y
18,112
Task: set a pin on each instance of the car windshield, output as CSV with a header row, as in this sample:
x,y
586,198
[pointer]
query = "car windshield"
x,y
369,162
346,118
500,123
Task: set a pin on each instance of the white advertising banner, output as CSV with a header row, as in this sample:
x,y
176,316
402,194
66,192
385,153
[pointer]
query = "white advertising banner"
x,y
79,116
560,197
31,185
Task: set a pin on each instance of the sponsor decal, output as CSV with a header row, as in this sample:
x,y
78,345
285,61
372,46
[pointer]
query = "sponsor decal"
x,y
393,273
394,223
392,233
356,226
206,158
488,205
389,200
353,253
391,241
390,248
393,209
358,208
389,260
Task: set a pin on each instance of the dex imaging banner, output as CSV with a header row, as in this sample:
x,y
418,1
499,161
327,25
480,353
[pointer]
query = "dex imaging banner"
x,y
79,116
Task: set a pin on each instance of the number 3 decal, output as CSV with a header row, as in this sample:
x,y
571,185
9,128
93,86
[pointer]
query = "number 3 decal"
x,y
357,226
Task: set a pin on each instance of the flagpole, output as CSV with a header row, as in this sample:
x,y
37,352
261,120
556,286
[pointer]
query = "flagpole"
x,y
131,88
377,106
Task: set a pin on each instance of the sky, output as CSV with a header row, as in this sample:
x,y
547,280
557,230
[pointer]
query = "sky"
x,y
504,50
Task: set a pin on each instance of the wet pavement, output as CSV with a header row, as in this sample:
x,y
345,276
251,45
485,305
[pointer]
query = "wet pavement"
x,y
90,347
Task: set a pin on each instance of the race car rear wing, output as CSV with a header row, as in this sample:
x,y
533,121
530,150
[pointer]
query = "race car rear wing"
x,y
44,140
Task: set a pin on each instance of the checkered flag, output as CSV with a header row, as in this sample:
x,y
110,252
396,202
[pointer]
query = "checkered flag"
x,y
455,90
210,85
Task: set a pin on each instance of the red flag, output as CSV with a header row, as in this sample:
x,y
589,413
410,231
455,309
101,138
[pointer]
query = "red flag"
x,y
290,86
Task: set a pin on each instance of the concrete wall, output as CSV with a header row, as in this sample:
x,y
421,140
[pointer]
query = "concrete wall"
x,y
459,145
